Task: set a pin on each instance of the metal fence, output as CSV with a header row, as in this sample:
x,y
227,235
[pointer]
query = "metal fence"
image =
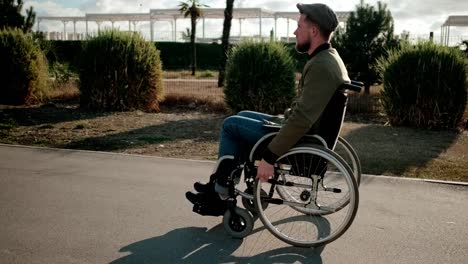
x,y
452,40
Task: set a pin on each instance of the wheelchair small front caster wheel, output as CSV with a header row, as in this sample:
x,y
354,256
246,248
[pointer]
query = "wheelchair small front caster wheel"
x,y
238,224
249,204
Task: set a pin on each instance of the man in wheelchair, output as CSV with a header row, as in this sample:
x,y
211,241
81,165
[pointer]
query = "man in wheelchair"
x,y
318,108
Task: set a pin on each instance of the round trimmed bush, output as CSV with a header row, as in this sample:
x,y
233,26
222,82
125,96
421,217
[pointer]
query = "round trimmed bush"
x,y
424,86
120,71
259,77
23,69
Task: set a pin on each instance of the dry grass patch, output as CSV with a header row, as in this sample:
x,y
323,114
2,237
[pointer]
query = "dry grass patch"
x,y
402,151
63,91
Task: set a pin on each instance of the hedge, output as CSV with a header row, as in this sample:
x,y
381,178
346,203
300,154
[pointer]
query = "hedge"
x,y
174,55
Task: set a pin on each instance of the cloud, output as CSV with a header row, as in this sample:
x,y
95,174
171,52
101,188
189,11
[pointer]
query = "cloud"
x,y
51,8
272,5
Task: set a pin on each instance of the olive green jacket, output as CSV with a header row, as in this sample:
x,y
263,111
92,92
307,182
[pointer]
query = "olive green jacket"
x,y
322,75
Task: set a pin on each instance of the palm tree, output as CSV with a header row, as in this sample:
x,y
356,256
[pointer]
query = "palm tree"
x,y
192,8
225,40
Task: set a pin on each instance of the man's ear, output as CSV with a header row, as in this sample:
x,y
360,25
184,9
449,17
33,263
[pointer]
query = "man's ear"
x,y
314,29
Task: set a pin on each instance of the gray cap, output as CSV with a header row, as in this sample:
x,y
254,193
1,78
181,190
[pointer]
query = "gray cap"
x,y
320,14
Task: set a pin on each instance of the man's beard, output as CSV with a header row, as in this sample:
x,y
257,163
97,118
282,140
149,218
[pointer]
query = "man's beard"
x,y
303,48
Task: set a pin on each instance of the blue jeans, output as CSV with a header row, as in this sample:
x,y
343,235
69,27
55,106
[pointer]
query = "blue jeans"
x,y
240,132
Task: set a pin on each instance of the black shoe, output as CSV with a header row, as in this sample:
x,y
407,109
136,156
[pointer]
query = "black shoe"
x,y
203,187
224,168
194,198
207,203
204,198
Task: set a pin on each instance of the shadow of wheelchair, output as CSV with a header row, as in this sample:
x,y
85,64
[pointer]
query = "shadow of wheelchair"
x,y
200,245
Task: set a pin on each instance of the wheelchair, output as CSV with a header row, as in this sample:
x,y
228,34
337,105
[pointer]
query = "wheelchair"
x,y
312,198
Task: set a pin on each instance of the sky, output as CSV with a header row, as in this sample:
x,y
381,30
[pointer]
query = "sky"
x,y
419,17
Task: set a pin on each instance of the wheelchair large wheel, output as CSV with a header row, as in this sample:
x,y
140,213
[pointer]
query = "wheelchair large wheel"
x,y
330,208
346,151
349,155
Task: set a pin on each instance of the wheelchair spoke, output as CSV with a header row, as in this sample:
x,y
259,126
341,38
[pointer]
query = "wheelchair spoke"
x,y
309,209
287,183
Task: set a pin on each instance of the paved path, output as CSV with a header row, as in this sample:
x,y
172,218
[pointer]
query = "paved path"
x,y
60,206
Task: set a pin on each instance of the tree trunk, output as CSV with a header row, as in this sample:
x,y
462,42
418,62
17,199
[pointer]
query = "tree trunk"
x,y
192,40
225,41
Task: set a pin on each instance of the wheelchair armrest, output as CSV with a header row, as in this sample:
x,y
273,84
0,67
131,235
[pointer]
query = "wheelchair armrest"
x,y
353,86
272,126
357,83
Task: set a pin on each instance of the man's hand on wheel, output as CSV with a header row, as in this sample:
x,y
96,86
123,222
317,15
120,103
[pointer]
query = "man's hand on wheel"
x,y
264,171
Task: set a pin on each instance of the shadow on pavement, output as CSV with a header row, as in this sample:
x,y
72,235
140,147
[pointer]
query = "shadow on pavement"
x,y
199,245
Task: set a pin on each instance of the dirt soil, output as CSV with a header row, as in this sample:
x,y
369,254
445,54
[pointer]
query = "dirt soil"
x,y
183,134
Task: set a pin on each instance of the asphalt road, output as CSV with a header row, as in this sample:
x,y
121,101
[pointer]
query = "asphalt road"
x,y
61,206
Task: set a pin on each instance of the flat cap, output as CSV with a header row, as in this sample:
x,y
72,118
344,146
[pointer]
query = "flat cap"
x,y
320,14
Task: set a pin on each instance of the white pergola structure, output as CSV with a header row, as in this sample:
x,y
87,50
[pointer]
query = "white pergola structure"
x,y
132,18
454,21
172,15
97,18
64,20
214,13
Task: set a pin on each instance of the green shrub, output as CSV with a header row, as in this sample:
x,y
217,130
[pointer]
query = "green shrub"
x,y
61,72
23,69
259,77
120,71
424,86
64,52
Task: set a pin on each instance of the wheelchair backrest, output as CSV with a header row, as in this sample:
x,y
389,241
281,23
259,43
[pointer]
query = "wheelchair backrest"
x,y
329,124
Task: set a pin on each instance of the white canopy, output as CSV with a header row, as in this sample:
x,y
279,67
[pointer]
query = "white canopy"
x,y
172,15
455,21
458,21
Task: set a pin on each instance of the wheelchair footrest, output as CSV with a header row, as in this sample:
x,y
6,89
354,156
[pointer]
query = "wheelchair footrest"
x,y
207,210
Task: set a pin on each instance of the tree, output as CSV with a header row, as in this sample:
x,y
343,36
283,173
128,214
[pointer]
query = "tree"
x,y
192,8
10,15
225,40
368,34
30,19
